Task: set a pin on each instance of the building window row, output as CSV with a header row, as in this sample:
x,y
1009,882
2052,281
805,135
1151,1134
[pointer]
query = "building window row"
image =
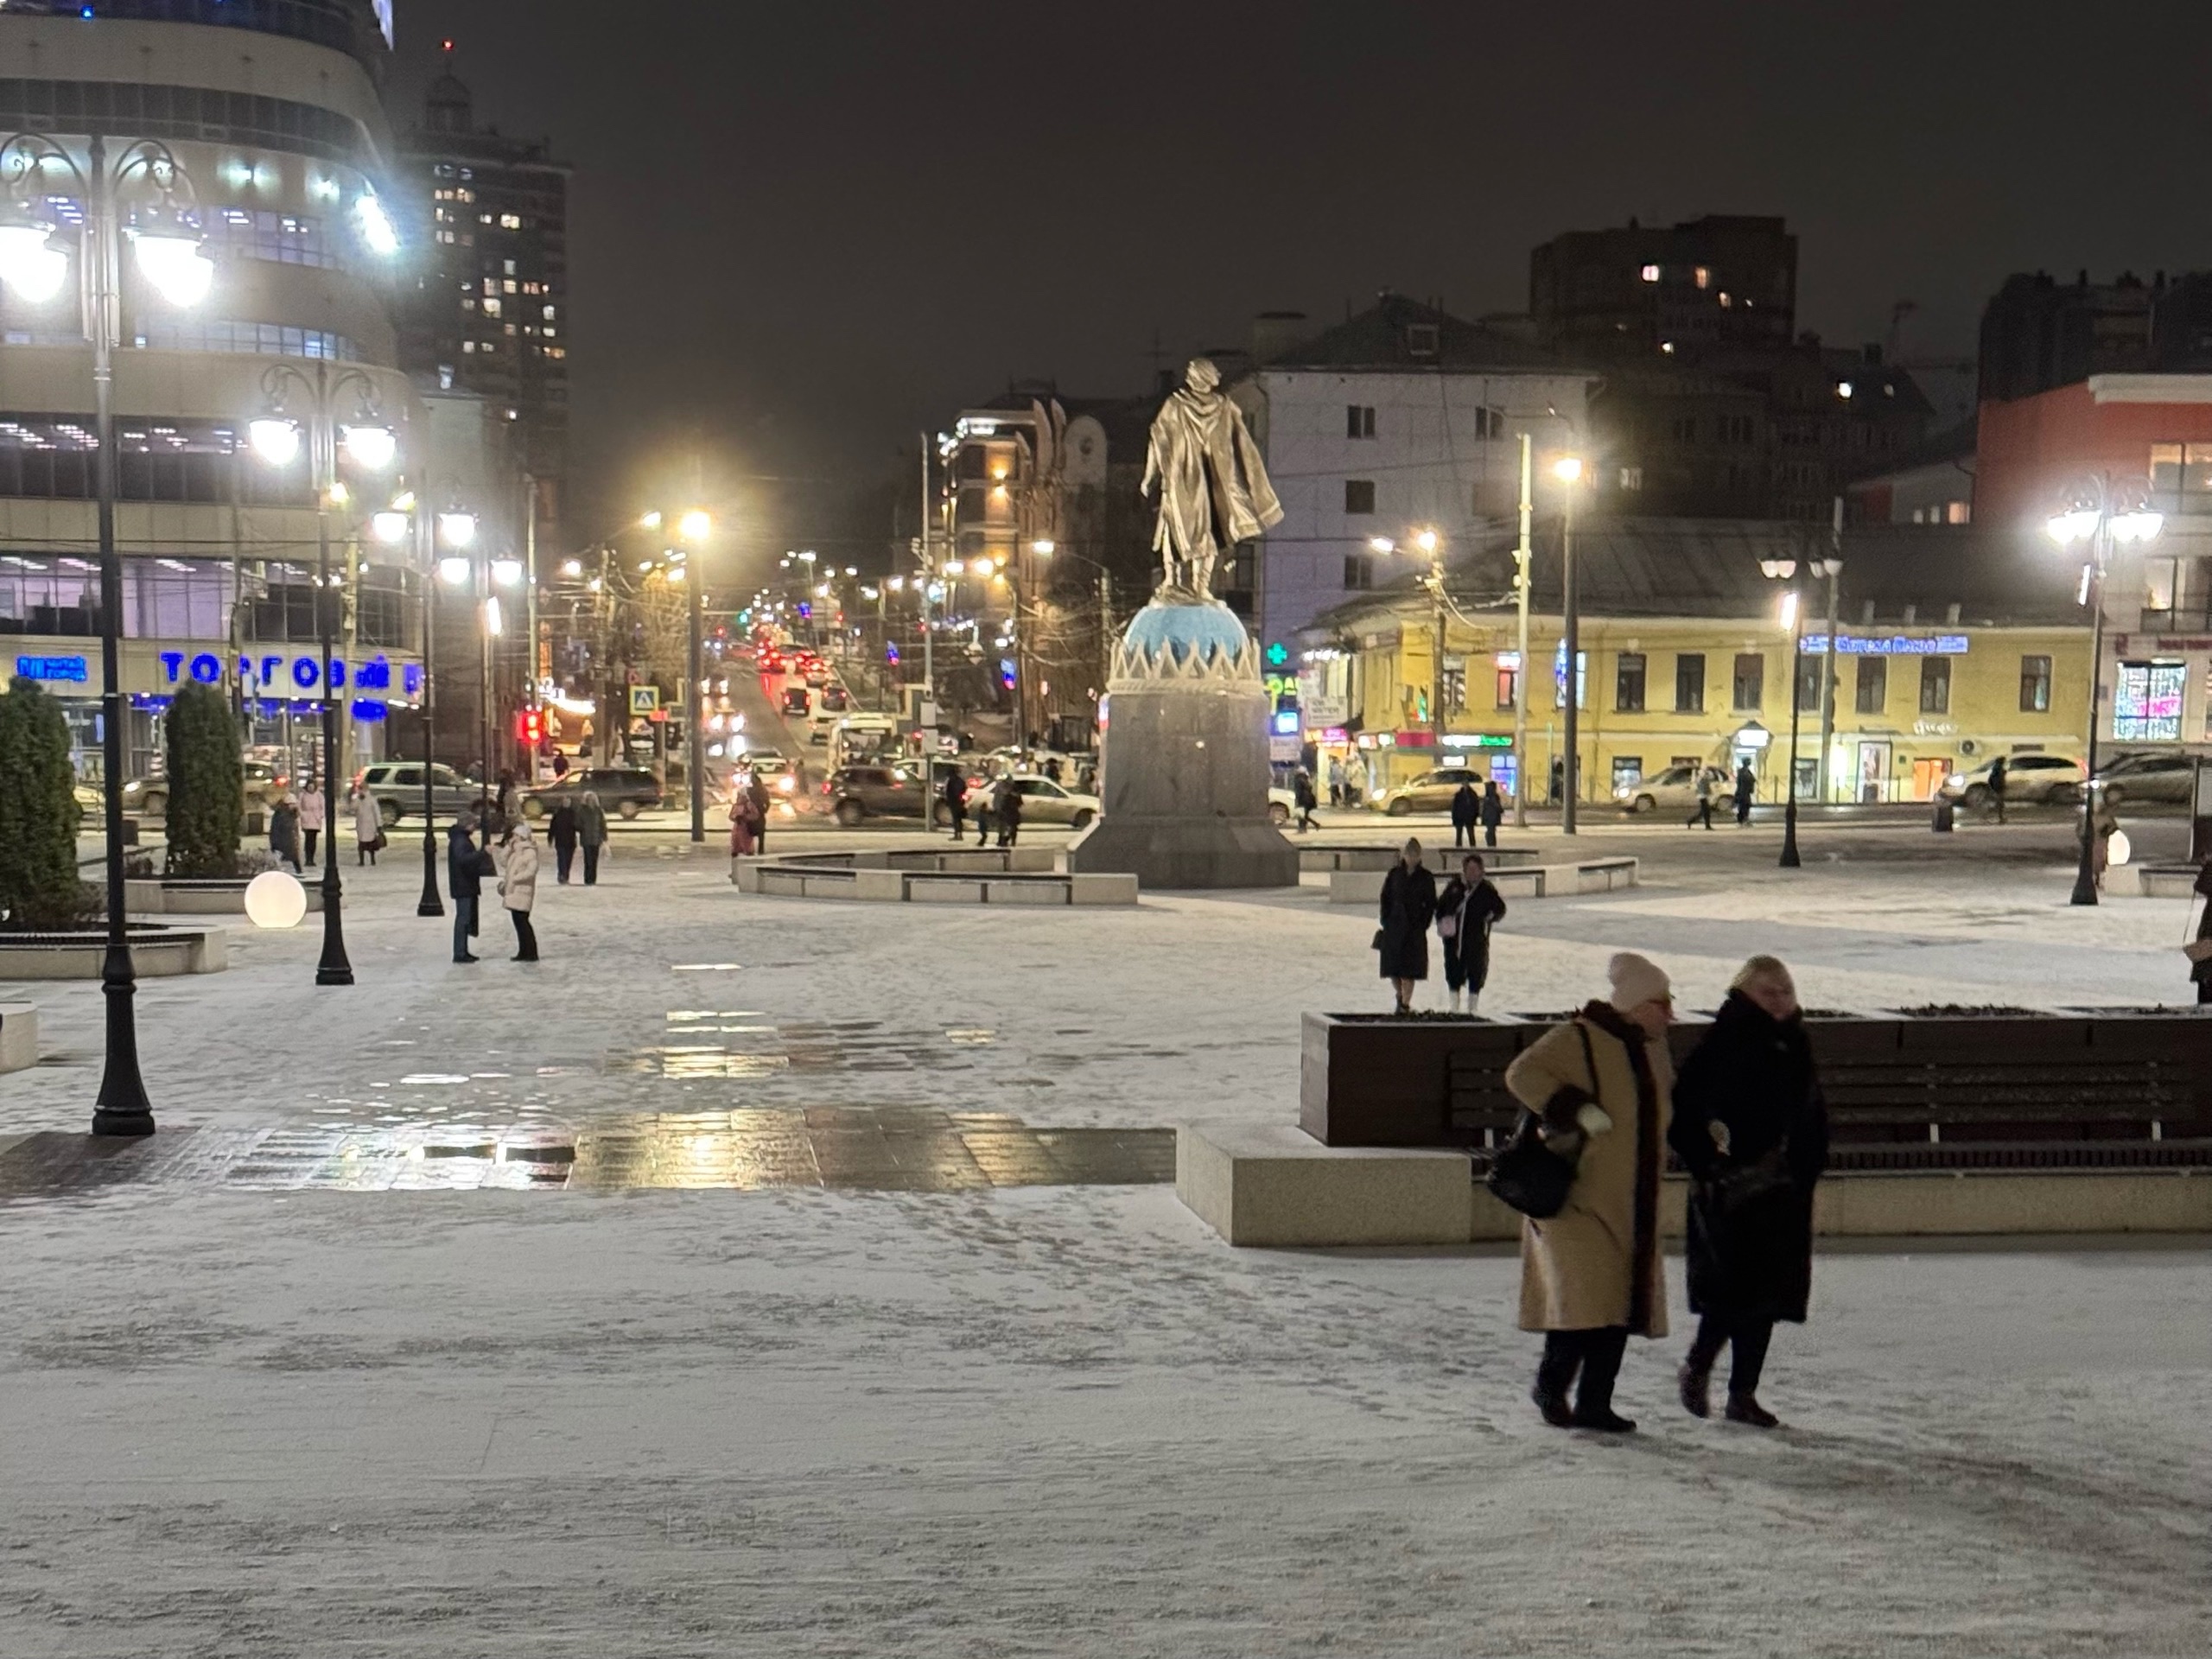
x,y
51,457
253,339
198,599
129,109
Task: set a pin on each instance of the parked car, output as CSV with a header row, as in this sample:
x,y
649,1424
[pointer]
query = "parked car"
x,y
149,797
1430,792
1044,801
2028,777
397,786
621,789
2169,776
1675,789
858,792
1281,805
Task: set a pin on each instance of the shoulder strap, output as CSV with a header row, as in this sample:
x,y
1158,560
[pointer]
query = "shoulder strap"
x,y
1589,1055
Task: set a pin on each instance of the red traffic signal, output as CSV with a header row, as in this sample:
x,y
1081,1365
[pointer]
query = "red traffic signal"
x,y
529,726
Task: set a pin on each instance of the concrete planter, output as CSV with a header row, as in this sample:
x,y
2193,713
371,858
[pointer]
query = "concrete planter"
x,y
156,952
2065,1081
200,895
18,1036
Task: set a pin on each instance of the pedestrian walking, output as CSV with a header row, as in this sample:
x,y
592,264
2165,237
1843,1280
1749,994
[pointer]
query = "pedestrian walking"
x,y
1702,813
312,812
983,800
507,793
1998,780
562,829
1301,791
1356,782
284,833
560,766
591,832
1593,1275
2200,949
1464,913
956,799
1005,809
1752,1128
1746,787
1408,906
368,827
465,872
743,839
519,885
1493,811
1336,780
1466,813
1559,779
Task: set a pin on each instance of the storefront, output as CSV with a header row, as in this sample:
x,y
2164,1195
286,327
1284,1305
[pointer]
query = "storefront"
x,y
279,689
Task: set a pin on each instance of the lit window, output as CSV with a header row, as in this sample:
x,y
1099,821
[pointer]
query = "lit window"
x,y
483,219
510,281
1667,346
1650,273
511,271
1843,388
491,307
511,221
1702,277
469,345
1724,301
548,314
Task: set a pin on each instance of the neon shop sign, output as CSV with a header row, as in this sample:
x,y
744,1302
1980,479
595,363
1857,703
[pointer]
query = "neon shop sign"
x,y
288,676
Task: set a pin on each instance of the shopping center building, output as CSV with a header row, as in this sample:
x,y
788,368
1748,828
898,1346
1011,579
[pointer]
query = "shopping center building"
x,y
283,166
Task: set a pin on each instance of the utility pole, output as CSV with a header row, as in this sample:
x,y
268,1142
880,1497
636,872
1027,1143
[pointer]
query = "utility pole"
x,y
1828,658
1436,666
1570,775
927,712
1105,630
530,574
1522,556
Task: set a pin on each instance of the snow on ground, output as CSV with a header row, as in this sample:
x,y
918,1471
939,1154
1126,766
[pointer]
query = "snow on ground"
x,y
665,990
1054,1422
1049,1421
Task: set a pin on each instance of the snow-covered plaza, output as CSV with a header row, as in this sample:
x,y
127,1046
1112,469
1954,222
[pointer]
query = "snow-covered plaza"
x,y
1035,1418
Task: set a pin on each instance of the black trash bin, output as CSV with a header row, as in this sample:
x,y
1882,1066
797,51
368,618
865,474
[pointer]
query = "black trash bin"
x,y
1941,823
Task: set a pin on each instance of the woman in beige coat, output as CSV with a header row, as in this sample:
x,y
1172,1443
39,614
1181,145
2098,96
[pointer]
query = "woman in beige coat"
x,y
1591,1274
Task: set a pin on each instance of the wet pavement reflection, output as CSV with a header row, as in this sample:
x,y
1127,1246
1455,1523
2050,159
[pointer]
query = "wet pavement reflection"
x,y
860,1149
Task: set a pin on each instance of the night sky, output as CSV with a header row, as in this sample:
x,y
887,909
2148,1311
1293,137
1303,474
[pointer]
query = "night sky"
x,y
801,232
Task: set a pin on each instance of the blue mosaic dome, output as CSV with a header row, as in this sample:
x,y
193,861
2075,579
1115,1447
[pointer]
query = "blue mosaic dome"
x,y
1187,632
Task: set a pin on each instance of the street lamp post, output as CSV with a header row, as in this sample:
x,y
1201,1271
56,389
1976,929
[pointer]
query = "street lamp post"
x,y
411,516
2101,512
1568,470
370,445
170,257
482,575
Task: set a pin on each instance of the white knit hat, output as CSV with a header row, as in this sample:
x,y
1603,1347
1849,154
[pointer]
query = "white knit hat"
x,y
1636,980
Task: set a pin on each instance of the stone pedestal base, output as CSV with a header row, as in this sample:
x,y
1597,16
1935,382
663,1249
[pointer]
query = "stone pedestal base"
x,y
1172,853
1183,759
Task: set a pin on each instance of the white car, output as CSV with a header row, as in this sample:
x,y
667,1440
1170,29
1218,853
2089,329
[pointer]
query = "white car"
x,y
1674,788
1044,801
1282,806
2027,777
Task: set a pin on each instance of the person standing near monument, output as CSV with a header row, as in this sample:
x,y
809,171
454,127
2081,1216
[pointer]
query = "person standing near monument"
x,y
1746,787
311,820
1408,906
1493,811
1470,907
1466,812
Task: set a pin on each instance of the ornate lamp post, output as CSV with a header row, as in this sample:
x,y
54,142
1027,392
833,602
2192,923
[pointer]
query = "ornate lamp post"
x,y
2100,512
1793,605
371,446
34,270
408,518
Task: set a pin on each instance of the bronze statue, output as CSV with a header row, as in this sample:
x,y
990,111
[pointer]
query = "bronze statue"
x,y
1213,486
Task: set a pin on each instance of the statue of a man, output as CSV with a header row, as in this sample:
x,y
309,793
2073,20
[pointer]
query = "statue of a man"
x,y
1213,486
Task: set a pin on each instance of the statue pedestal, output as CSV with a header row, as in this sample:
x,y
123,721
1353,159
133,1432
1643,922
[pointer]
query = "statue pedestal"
x,y
1183,759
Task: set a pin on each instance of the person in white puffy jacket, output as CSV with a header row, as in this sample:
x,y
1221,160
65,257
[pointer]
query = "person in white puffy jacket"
x,y
518,860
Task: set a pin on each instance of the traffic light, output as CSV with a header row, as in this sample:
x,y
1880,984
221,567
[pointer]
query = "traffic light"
x,y
529,726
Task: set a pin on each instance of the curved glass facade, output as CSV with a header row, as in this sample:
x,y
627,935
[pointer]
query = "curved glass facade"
x,y
347,26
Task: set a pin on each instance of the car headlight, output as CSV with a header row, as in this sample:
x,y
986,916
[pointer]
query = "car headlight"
x,y
1955,778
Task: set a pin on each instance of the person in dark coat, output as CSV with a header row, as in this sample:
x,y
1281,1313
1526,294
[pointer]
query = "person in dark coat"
x,y
1997,783
956,799
1301,791
1559,779
464,879
563,831
1464,918
1746,786
1408,906
1750,1127
1493,811
284,833
1005,811
591,832
1466,813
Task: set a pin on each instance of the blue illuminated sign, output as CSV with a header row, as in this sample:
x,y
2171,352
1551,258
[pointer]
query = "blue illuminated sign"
x,y
71,669
1897,645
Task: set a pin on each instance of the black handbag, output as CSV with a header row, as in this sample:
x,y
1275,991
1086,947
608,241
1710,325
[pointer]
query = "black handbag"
x,y
1530,1176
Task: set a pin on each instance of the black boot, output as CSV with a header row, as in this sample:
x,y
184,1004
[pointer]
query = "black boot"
x,y
1695,1383
1552,1406
1604,1419
1743,1408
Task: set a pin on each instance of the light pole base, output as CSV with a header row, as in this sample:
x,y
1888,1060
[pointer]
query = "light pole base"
x,y
431,904
1789,858
123,1108
334,968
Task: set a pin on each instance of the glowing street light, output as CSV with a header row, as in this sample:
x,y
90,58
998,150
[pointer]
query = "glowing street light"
x,y
694,526
31,267
275,440
372,447
170,258
457,529
389,527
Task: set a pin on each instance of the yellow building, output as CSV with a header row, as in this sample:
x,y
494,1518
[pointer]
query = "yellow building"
x,y
1952,649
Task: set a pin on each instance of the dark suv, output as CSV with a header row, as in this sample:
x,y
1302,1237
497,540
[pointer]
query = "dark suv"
x,y
857,792
620,789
